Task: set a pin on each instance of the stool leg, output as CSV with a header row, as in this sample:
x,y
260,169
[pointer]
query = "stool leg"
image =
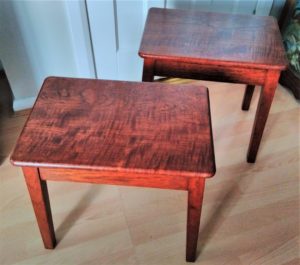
x,y
262,112
195,198
247,97
40,201
148,70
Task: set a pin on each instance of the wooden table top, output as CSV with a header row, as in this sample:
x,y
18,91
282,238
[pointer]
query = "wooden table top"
x,y
213,38
119,126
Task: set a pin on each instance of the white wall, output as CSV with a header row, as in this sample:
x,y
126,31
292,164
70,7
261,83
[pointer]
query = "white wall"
x,y
37,41
42,38
13,54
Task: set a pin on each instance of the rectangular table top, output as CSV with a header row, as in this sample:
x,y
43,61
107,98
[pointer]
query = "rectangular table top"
x,y
119,126
213,38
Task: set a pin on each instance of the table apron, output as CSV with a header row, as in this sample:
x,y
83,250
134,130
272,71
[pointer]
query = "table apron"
x,y
244,75
115,178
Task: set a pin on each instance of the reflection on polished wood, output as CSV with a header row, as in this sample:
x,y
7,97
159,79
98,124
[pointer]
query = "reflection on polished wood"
x,y
217,47
251,210
152,135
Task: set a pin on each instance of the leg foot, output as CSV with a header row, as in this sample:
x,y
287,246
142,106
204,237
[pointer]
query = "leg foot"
x,y
195,198
247,97
262,112
148,70
40,201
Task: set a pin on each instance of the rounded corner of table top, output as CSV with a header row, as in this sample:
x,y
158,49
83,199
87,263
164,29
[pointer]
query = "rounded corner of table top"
x,y
49,79
153,9
209,173
13,161
16,161
142,54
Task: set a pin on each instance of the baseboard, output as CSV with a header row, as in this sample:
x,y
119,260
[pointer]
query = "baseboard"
x,y
24,103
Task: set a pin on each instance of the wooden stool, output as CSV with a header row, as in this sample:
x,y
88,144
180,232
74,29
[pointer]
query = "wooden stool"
x,y
123,133
218,47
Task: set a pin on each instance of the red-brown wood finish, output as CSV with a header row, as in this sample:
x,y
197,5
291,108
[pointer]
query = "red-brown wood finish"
x,y
262,112
148,72
213,38
195,198
247,97
38,192
217,47
208,72
123,133
115,125
151,180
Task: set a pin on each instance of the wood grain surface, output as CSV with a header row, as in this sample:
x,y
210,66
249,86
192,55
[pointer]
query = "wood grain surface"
x,y
216,47
221,73
250,211
118,133
120,126
162,181
210,38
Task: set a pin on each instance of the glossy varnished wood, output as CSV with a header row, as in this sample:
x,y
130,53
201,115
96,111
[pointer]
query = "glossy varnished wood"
x,y
121,133
216,47
40,201
250,212
162,181
247,97
206,72
266,97
195,198
119,126
213,38
149,70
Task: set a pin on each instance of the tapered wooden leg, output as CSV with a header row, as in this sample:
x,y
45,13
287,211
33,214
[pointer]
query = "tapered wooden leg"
x,y
247,97
40,201
195,198
148,70
262,112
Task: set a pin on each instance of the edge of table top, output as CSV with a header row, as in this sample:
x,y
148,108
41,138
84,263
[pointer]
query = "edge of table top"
x,y
115,170
207,61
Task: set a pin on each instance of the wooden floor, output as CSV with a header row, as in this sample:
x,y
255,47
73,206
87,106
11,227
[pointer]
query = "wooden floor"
x,y
250,213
